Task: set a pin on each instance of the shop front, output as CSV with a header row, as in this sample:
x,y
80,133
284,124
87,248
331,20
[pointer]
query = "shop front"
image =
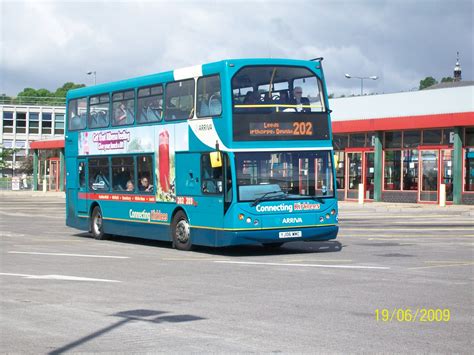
x,y
48,165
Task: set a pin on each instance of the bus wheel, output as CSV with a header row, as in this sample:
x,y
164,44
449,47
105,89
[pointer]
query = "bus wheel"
x,y
273,245
181,232
97,224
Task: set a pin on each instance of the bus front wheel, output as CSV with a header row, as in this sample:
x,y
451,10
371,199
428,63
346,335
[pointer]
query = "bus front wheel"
x,y
181,232
97,224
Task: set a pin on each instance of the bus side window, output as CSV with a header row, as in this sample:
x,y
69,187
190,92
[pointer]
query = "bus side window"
x,y
99,174
211,178
82,175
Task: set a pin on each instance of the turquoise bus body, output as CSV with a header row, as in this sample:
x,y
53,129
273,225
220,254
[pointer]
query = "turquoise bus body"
x,y
212,221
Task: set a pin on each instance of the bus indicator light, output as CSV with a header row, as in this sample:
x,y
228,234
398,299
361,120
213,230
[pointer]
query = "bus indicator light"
x,y
241,217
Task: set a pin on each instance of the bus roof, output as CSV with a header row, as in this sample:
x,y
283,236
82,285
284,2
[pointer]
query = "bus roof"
x,y
179,74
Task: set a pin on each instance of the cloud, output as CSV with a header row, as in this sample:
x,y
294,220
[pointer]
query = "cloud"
x,y
45,44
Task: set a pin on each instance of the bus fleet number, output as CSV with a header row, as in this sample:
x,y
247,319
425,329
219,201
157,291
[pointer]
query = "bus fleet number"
x,y
302,128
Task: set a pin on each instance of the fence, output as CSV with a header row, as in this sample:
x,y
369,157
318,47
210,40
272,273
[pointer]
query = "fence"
x,y
16,183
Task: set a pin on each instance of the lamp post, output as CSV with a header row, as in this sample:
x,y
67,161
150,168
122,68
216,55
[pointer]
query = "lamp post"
x,y
374,77
93,73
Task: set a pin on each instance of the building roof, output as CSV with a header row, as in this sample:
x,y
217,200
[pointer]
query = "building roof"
x,y
408,110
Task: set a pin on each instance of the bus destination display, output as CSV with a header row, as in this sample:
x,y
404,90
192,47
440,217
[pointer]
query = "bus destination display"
x,y
265,127
287,129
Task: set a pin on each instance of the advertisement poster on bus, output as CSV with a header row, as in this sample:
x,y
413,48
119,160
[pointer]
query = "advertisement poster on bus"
x,y
169,140
117,141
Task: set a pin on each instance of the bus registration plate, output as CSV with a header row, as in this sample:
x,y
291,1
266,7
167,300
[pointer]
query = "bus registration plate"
x,y
292,234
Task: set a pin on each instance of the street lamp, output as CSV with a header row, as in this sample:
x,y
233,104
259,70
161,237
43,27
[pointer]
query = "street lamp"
x,y
93,73
374,77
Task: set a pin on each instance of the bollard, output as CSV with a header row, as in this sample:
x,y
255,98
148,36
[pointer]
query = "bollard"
x,y
442,195
361,194
44,185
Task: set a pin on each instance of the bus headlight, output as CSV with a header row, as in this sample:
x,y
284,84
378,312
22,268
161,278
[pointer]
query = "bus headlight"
x,y
321,219
333,211
327,216
249,220
255,222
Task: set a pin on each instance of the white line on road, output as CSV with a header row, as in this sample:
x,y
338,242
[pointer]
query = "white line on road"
x,y
305,265
57,277
64,254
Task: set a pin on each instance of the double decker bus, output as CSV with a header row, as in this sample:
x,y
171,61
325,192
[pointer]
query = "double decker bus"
x,y
228,153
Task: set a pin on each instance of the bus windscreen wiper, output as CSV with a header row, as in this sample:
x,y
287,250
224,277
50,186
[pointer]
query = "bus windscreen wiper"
x,y
261,198
319,199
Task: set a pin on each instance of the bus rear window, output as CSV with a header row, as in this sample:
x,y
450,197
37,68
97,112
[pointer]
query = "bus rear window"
x,y
77,113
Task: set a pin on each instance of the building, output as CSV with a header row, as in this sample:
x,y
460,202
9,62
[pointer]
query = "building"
x,y
401,147
24,127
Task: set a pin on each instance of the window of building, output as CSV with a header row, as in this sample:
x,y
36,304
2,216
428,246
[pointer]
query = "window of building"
x,y
469,170
33,125
393,139
432,137
150,104
46,123
340,141
123,106
357,140
21,149
7,122
21,122
392,170
58,123
145,173
99,111
180,100
99,176
209,100
411,139
123,174
448,136
339,162
77,113
410,169
469,137
211,178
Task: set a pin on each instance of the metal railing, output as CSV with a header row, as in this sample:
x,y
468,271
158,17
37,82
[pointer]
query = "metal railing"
x,y
36,101
16,183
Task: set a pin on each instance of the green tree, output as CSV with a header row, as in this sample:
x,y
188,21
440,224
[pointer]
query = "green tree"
x,y
447,79
6,155
62,91
427,82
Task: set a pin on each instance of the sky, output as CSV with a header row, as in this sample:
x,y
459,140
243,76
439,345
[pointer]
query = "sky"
x,y
47,43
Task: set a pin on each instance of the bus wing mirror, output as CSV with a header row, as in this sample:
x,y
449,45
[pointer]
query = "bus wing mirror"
x,y
216,159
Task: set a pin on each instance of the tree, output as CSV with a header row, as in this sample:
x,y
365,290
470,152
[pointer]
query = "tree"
x,y
62,91
447,79
331,96
427,82
6,155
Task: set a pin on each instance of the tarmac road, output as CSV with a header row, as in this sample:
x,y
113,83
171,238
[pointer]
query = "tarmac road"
x,y
62,291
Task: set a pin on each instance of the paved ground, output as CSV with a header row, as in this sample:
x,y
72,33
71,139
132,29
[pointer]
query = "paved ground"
x,y
64,292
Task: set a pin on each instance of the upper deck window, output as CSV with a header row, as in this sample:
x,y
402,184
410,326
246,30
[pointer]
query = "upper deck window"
x,y
99,111
150,104
209,101
77,113
123,108
268,89
180,100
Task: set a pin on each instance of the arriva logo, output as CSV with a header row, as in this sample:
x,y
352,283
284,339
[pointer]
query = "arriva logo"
x,y
292,220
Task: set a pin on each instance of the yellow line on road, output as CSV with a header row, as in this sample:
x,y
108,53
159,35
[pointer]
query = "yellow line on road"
x,y
437,266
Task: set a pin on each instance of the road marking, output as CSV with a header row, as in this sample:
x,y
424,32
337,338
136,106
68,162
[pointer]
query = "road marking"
x,y
304,265
65,254
436,266
57,277
325,260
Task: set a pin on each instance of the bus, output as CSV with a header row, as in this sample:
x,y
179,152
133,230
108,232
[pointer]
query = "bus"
x,y
233,152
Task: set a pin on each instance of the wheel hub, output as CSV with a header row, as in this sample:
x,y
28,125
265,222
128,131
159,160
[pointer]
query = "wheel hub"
x,y
182,231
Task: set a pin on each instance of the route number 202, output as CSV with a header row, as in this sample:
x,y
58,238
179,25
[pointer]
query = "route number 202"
x,y
302,128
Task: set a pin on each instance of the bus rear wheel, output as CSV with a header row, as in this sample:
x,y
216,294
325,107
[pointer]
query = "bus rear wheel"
x,y
97,224
181,232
